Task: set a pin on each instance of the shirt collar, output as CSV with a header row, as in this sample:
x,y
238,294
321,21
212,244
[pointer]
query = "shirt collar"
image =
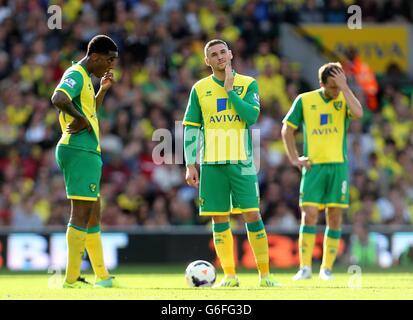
x,y
323,95
84,68
221,82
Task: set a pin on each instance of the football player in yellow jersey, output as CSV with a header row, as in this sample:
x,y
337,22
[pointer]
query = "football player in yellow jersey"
x,y
324,114
78,156
223,106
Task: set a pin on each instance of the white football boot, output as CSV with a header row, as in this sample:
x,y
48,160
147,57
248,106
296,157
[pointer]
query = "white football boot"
x,y
303,274
326,274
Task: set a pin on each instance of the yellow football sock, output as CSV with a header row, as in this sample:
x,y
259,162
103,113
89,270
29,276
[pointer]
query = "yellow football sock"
x,y
224,247
330,246
306,241
259,244
75,237
95,252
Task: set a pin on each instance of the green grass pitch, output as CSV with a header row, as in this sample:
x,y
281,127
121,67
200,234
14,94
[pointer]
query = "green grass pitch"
x,y
167,283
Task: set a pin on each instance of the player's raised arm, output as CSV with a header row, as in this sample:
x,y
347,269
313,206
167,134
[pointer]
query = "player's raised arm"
x,y
354,104
105,83
247,110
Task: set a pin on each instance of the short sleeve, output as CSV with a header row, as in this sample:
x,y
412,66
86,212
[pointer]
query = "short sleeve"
x,y
71,84
193,115
294,117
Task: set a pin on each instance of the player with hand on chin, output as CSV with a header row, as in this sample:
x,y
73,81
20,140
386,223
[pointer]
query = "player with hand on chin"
x,y
223,106
78,155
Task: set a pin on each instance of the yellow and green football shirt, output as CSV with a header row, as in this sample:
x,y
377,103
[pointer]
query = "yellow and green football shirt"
x,y
226,137
76,83
325,122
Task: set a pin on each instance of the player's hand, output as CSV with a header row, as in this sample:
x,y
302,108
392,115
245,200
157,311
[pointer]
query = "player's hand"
x,y
192,177
78,125
339,78
229,77
302,162
106,81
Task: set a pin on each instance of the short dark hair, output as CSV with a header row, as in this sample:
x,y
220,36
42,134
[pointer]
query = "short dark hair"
x,y
213,43
101,44
325,70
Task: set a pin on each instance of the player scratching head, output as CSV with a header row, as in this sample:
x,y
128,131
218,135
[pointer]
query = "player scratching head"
x,y
101,54
327,75
217,56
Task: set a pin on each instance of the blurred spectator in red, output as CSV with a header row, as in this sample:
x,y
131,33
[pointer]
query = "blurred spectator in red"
x,y
364,77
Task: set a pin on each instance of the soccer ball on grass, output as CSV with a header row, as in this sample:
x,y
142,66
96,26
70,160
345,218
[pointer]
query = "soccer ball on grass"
x,y
200,273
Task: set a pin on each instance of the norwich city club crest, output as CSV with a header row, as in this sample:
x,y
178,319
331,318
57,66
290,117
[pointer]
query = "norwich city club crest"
x,y
238,89
201,202
92,187
338,105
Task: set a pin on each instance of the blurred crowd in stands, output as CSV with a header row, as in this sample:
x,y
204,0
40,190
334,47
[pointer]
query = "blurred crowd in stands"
x,y
161,57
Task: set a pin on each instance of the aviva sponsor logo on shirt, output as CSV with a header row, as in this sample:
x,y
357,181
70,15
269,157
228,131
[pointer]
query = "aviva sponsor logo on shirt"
x,y
224,118
222,105
325,119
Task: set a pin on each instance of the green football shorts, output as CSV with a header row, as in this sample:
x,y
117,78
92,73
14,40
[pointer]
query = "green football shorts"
x,y
325,185
228,188
82,171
